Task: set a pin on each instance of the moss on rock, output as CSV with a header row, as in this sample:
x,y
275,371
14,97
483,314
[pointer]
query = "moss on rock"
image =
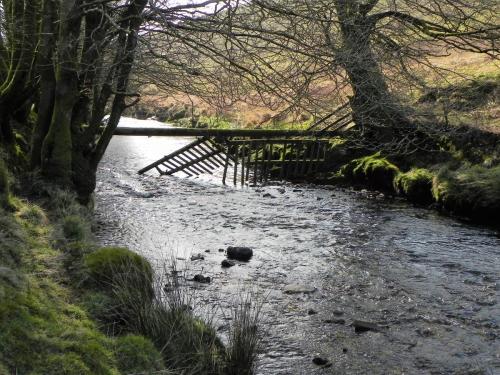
x,y
373,170
416,185
470,191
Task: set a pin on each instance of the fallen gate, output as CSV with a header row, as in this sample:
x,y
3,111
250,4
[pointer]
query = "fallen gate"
x,y
247,160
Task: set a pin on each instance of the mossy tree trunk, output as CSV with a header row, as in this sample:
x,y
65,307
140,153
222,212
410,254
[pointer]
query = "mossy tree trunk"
x,y
79,85
57,146
47,84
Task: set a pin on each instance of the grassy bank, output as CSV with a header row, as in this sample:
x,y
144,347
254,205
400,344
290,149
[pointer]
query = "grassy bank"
x,y
69,307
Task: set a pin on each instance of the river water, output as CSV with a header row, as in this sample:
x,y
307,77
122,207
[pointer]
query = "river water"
x,y
430,283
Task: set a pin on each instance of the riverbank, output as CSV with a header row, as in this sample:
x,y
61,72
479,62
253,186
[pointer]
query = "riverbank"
x,y
68,306
459,175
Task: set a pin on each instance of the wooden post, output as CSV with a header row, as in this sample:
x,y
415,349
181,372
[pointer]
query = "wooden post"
x,y
243,155
268,164
311,157
249,154
226,165
297,160
255,161
236,156
304,158
283,164
262,162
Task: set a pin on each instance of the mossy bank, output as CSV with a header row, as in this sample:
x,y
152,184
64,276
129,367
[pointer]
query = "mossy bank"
x,y
69,307
461,177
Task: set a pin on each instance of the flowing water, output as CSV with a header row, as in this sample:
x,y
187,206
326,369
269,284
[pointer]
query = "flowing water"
x,y
430,283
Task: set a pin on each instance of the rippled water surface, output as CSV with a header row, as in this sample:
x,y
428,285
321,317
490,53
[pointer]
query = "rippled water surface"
x,y
430,283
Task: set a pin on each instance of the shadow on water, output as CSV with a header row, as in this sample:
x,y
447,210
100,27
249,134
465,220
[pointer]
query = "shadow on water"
x,y
429,283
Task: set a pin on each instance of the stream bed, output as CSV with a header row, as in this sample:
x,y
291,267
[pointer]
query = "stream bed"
x,y
429,283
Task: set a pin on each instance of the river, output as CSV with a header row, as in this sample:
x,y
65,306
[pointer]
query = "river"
x,y
430,283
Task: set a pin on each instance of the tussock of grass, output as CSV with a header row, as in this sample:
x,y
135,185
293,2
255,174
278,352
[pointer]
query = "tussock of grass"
x,y
416,185
471,191
243,338
75,228
107,264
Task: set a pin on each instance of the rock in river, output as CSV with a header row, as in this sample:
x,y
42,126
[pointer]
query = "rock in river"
x,y
361,326
227,263
239,253
297,288
197,257
202,279
319,361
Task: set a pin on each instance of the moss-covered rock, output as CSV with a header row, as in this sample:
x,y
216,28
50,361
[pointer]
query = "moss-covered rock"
x,y
110,265
416,185
373,170
137,354
470,191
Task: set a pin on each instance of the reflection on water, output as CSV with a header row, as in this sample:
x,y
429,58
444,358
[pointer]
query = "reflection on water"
x,y
429,282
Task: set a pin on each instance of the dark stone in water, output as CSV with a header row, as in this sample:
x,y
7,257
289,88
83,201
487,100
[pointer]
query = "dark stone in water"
x,y
268,195
240,253
318,361
344,350
202,279
221,250
227,263
361,326
197,257
312,312
334,321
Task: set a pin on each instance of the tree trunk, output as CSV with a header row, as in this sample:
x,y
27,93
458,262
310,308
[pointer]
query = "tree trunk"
x,y
57,146
45,103
375,109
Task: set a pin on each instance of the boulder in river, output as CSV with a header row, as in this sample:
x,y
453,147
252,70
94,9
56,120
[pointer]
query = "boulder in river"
x,y
297,289
240,253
